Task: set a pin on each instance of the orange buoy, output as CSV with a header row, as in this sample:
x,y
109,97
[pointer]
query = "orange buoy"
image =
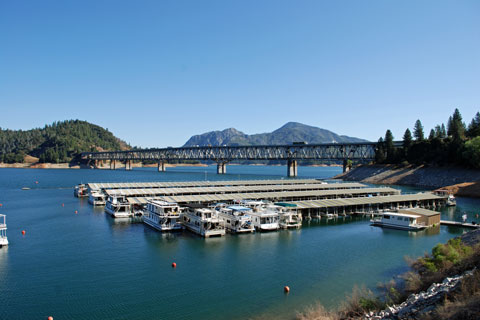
x,y
36,182
286,289
23,232
174,265
63,204
1,205
50,318
76,211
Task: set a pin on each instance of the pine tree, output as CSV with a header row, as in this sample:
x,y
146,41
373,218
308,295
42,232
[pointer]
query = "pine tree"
x,y
431,136
407,142
474,127
380,152
418,131
456,128
389,147
443,132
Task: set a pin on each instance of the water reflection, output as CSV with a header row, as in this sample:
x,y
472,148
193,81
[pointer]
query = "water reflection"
x,y
3,262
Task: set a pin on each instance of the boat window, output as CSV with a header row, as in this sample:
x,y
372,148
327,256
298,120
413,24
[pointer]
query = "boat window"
x,y
386,217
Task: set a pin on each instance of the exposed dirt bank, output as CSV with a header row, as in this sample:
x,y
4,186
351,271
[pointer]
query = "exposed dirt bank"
x,y
460,181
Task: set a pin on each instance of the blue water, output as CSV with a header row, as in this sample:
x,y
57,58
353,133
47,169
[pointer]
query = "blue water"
x,y
90,266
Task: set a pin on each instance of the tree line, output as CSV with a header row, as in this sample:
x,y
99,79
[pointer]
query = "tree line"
x,y
453,144
61,141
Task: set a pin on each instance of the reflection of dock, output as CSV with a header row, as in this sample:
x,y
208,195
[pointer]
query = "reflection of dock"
x,y
459,224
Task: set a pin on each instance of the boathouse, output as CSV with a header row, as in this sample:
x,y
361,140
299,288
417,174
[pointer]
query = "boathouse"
x,y
425,216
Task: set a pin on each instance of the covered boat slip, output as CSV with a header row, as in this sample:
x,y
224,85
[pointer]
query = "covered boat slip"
x,y
369,205
273,196
220,183
227,189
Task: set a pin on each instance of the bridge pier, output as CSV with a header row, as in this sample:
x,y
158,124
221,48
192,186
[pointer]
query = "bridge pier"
x,y
292,168
161,166
221,167
128,165
112,164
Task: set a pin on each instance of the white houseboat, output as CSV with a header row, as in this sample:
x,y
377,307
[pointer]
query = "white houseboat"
x,y
289,217
203,221
237,219
80,191
3,231
96,198
162,215
398,220
265,216
118,207
451,201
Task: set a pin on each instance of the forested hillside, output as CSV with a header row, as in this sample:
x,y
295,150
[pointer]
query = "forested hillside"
x,y
454,144
59,142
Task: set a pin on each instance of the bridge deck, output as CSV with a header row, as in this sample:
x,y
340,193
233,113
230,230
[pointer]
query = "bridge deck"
x,y
219,183
277,196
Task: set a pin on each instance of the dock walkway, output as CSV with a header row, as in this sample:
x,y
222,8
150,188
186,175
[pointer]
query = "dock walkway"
x,y
459,224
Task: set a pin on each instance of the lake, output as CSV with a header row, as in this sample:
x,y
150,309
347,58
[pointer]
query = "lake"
x,y
90,266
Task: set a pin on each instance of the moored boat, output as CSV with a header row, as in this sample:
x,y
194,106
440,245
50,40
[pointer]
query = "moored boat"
x,y
289,217
265,216
397,220
3,231
118,207
203,221
237,219
80,191
451,201
96,198
162,215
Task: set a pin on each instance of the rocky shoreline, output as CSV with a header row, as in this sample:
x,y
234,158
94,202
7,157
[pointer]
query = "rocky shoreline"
x,y
459,181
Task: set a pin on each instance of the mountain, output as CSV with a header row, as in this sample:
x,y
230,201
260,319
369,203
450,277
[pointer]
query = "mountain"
x,y
59,142
290,132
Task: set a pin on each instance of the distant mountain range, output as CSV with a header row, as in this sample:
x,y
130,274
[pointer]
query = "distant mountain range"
x,y
287,134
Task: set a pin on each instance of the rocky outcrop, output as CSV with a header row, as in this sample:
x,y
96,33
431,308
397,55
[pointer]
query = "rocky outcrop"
x,y
420,304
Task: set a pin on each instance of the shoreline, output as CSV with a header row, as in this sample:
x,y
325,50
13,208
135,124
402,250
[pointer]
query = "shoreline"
x,y
455,180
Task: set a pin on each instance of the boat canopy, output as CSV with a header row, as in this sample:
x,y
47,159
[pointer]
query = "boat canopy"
x,y
286,204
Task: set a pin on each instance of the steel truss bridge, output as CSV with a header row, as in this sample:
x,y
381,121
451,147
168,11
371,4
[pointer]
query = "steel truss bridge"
x,y
359,152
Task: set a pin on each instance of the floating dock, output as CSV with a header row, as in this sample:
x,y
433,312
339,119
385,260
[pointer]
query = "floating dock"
x,y
369,205
184,184
155,192
459,224
272,196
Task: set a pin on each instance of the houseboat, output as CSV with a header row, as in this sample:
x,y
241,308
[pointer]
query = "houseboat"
x,y
265,216
397,220
203,221
451,201
289,217
80,191
237,219
162,215
96,198
3,231
118,207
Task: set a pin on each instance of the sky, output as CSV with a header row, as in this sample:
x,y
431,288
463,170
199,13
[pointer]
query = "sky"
x,y
157,72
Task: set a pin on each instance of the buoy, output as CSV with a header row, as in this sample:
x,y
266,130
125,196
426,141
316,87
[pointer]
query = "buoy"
x,y
50,318
174,265
76,211
63,204
36,182
23,232
286,289
1,205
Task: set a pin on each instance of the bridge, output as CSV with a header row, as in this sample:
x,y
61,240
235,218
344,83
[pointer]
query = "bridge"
x,y
359,152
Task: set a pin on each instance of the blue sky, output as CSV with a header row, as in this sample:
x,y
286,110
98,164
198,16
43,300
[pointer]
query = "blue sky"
x,y
156,72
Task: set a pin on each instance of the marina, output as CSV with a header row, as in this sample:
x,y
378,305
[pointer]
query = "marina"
x,y
229,264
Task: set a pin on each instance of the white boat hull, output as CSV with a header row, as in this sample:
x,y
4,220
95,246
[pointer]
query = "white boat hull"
x,y
117,214
163,227
396,226
3,242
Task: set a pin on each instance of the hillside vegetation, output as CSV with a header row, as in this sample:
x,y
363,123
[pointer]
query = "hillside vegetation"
x,y
59,142
456,144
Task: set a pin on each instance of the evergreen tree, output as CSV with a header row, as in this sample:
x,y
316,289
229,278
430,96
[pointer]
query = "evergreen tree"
x,y
431,136
443,132
474,127
389,147
380,152
407,142
456,128
418,131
